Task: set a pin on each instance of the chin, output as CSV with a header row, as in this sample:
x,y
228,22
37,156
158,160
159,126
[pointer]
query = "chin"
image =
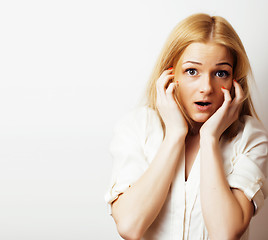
x,y
201,118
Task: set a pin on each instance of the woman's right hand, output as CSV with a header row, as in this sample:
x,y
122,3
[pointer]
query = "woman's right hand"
x,y
168,108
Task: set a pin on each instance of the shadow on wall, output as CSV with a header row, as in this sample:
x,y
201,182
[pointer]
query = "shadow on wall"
x,y
258,225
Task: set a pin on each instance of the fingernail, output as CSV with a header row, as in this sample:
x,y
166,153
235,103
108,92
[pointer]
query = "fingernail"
x,y
235,80
223,87
177,81
170,68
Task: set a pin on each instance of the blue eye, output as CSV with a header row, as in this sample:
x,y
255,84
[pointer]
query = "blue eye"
x,y
191,71
222,74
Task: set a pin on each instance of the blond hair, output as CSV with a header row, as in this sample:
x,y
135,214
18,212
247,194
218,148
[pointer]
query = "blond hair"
x,y
204,28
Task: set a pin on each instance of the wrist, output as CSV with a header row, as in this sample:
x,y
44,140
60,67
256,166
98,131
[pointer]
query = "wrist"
x,y
206,139
207,135
175,136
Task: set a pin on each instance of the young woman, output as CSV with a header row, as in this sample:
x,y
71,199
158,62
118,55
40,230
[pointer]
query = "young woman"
x,y
190,164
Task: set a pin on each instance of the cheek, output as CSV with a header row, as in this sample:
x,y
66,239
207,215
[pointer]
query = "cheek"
x,y
183,94
230,87
179,86
219,99
227,84
177,93
186,89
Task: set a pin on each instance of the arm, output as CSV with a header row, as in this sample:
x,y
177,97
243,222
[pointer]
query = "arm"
x,y
227,212
136,209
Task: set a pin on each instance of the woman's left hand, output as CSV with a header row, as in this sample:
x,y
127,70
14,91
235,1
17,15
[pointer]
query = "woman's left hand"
x,y
225,115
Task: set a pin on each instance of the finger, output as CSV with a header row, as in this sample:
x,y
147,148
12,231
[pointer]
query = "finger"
x,y
239,98
227,97
170,90
170,69
166,72
162,84
239,93
164,78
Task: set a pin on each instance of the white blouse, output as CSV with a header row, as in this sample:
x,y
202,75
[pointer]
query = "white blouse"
x,y
136,141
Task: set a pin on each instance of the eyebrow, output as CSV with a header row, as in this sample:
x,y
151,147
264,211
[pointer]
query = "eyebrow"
x,y
218,64
224,63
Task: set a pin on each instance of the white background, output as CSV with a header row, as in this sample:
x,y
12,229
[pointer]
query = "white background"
x,y
68,71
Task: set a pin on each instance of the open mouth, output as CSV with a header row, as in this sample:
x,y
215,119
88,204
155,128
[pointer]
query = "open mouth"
x,y
203,103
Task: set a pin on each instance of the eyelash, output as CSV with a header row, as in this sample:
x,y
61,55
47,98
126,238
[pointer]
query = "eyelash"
x,y
190,69
226,73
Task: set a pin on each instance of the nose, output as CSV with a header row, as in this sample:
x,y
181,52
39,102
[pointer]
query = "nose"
x,y
206,84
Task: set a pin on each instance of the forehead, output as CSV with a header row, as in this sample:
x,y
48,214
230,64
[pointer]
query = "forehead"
x,y
210,53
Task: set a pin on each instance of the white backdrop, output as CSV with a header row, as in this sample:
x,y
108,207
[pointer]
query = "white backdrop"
x,y
68,71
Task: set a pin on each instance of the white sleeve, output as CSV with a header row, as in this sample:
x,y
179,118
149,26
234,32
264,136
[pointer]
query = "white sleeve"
x,y
126,148
249,166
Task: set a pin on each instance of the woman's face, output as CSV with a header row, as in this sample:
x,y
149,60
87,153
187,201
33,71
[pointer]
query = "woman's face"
x,y
201,72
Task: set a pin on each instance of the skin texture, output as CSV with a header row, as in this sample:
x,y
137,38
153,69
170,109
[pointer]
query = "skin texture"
x,y
203,80
202,70
227,212
136,209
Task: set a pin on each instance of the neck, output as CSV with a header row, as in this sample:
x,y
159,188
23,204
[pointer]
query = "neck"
x,y
195,128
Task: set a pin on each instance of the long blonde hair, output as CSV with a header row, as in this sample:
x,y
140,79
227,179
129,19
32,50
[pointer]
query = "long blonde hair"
x,y
204,28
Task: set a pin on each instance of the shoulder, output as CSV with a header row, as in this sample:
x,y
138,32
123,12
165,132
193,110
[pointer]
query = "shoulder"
x,y
254,128
252,131
252,134
245,161
138,125
139,129
251,142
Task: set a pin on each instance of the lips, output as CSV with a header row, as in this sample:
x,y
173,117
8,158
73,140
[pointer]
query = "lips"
x,y
203,105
